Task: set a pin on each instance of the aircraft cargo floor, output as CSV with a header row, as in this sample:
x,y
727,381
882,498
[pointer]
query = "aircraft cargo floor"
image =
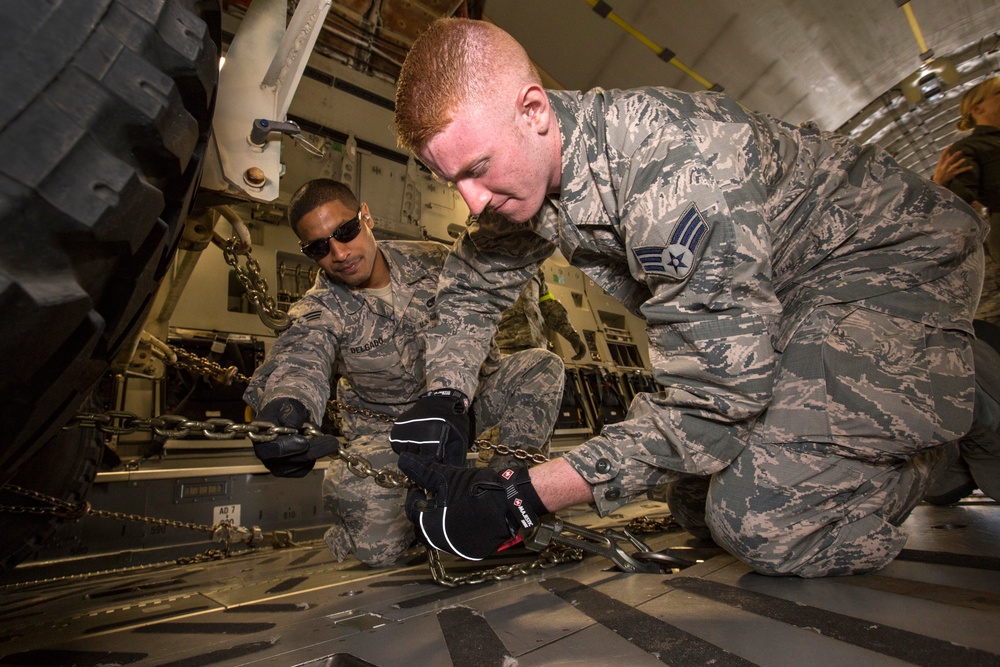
x,y
938,604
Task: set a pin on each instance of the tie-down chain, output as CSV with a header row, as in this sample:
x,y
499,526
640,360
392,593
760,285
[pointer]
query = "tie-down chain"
x,y
556,541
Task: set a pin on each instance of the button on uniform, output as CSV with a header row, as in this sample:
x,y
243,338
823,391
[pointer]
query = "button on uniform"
x,y
612,494
602,466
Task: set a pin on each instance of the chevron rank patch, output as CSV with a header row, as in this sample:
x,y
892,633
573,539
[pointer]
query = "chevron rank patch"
x,y
677,259
312,315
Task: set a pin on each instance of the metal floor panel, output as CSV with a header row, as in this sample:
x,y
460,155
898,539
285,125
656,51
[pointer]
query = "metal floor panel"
x,y
939,604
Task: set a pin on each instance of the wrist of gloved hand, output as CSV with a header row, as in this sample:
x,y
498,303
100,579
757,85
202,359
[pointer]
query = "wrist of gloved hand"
x,y
473,512
580,349
291,455
435,428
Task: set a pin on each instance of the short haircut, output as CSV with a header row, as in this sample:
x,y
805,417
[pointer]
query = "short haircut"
x,y
453,63
315,193
971,98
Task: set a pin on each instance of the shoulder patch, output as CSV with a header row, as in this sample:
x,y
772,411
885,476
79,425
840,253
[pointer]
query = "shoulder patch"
x,y
678,258
311,315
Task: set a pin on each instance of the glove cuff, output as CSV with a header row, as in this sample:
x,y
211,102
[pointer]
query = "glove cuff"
x,y
523,504
449,393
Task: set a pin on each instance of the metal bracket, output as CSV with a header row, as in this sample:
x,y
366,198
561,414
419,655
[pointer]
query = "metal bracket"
x,y
607,543
263,68
263,127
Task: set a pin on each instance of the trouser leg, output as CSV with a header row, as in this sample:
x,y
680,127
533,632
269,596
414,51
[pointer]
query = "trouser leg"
x,y
989,304
369,521
863,406
976,456
522,399
815,515
954,482
980,448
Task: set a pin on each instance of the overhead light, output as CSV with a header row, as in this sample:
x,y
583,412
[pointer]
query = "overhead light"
x,y
931,86
930,81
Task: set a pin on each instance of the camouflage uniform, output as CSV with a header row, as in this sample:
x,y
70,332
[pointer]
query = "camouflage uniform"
x,y
523,325
379,354
974,460
808,305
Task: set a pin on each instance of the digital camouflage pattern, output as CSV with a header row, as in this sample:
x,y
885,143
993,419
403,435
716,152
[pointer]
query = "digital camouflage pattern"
x,y
974,460
523,325
338,331
743,241
378,352
842,455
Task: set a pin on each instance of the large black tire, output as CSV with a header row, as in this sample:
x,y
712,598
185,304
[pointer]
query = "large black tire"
x,y
105,112
63,468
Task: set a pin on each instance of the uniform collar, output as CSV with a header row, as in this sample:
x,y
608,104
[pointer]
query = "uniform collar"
x,y
586,196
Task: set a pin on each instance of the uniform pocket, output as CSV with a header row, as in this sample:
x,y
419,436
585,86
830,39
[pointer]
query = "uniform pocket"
x,y
371,363
378,375
870,385
895,385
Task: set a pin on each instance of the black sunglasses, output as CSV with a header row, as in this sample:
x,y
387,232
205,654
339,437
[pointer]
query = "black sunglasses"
x,y
320,248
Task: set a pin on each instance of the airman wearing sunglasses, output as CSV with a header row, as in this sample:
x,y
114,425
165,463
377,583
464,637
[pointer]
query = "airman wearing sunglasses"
x,y
363,322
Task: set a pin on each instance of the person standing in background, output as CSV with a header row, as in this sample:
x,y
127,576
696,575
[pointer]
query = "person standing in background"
x,y
970,168
523,325
979,185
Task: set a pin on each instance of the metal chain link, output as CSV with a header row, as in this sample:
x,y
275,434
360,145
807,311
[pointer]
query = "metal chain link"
x,y
67,510
119,422
477,445
213,370
256,287
224,533
549,557
643,525
206,367
367,413
504,450
174,426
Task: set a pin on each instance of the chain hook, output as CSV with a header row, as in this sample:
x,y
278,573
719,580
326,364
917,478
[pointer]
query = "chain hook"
x,y
255,285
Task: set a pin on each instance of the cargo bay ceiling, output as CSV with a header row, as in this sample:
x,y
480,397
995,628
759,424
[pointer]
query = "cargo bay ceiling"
x,y
852,66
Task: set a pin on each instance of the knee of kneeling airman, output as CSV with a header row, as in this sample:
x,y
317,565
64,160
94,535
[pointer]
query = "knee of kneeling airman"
x,y
866,546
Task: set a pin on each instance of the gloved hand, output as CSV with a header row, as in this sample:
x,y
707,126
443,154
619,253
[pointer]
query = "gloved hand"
x,y
435,428
291,455
474,511
579,347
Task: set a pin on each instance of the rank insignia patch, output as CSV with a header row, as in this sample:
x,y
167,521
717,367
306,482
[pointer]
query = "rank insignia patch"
x,y
677,259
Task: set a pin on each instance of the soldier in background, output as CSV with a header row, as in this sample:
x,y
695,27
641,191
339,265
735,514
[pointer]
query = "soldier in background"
x,y
364,320
808,304
970,168
523,325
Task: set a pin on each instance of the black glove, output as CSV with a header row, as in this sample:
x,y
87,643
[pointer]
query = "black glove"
x,y
474,511
579,348
435,428
291,455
